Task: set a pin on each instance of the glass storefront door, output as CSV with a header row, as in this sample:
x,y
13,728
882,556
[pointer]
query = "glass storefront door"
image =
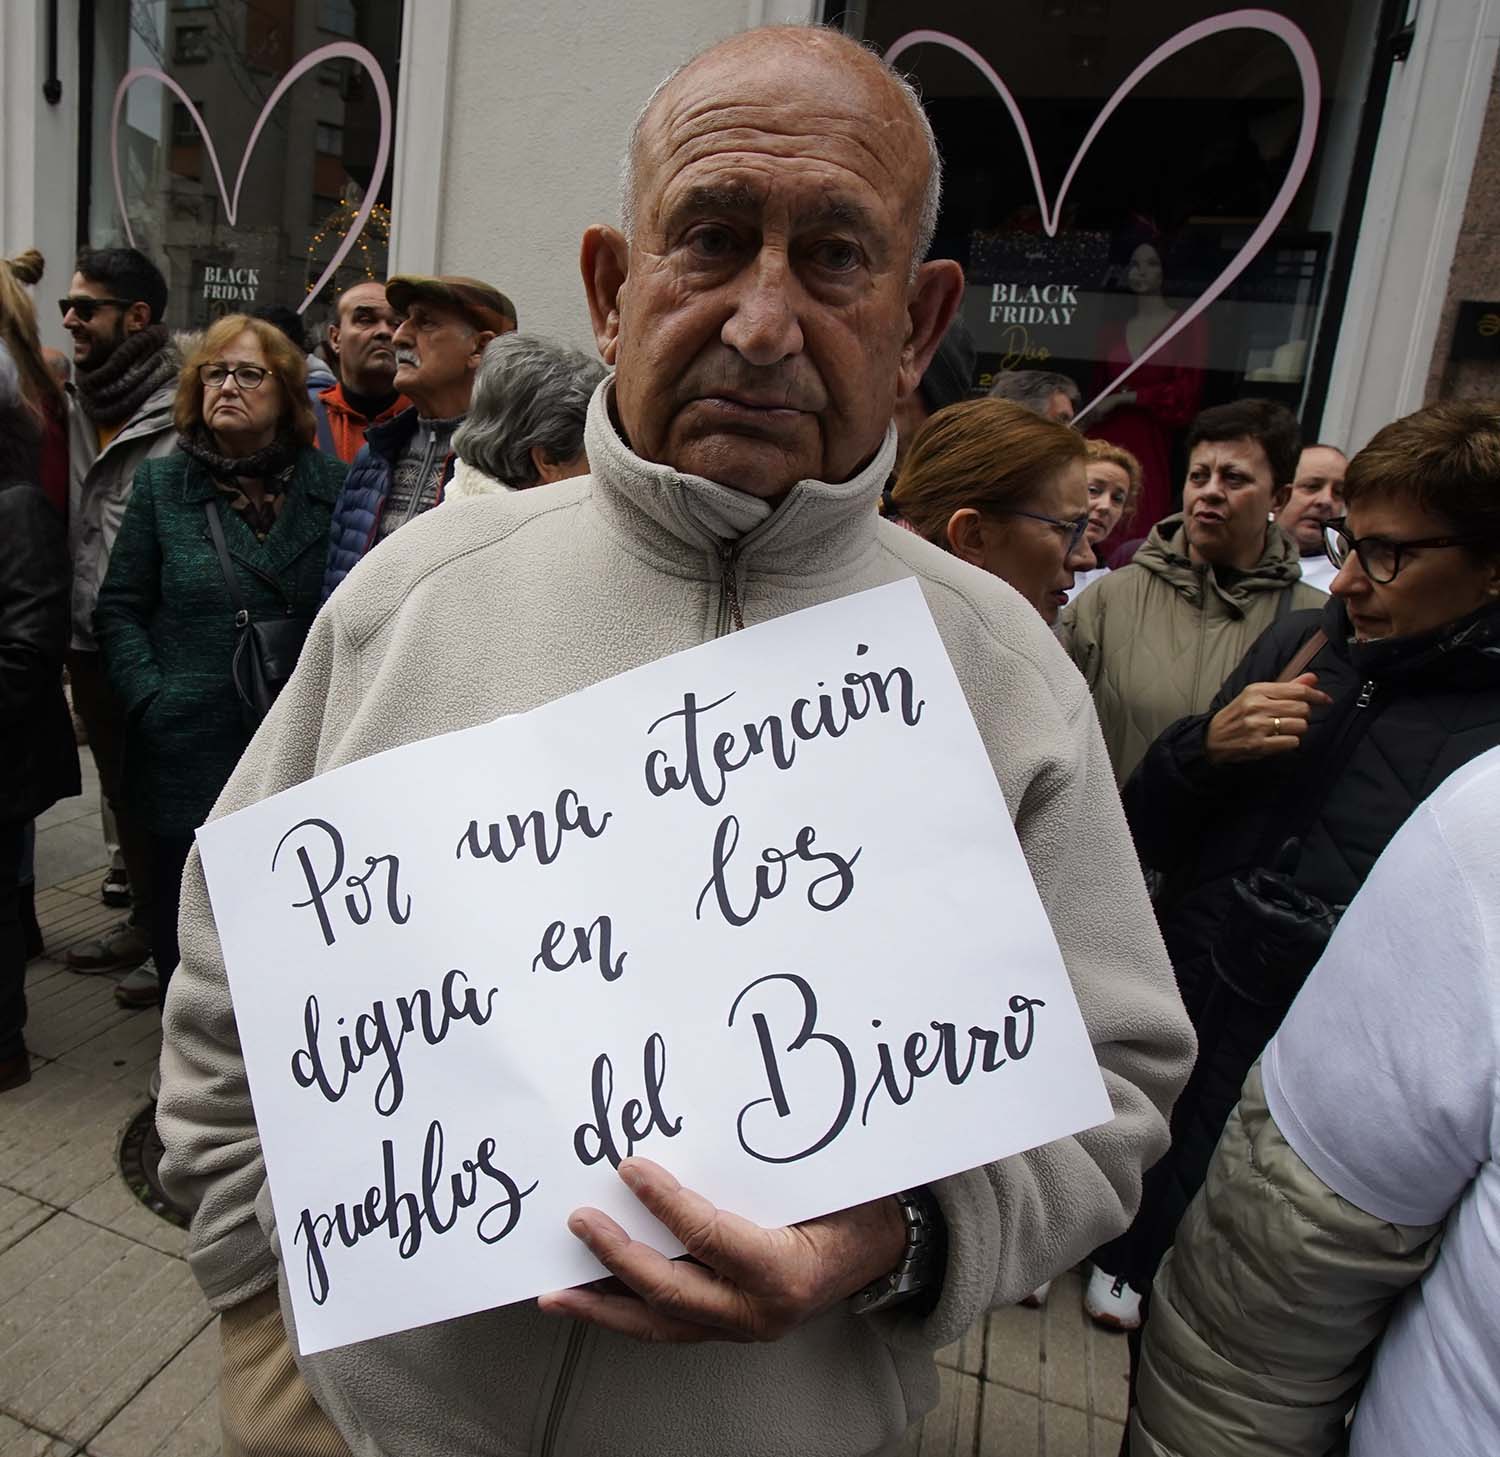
x,y
1164,198
312,168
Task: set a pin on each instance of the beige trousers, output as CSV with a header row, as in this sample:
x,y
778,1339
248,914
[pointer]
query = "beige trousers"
x,y
265,1408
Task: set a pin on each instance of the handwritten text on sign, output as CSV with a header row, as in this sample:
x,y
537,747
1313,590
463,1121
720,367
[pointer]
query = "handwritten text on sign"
x,y
756,910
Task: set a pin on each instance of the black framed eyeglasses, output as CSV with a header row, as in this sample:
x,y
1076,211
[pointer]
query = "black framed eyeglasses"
x,y
246,376
1072,530
85,305
1380,557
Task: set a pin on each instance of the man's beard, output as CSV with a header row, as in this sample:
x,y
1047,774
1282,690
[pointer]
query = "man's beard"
x,y
101,349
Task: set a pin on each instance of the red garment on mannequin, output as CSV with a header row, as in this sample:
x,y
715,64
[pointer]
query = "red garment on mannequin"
x,y
1168,388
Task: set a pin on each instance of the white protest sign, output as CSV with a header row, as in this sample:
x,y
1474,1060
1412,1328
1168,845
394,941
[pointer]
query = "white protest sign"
x,y
756,910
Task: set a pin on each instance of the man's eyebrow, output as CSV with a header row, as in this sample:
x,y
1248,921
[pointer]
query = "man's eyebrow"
x,y
712,197
842,212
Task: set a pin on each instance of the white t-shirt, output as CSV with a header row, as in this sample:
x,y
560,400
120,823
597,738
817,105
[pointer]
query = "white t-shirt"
x,y
1318,571
1385,1078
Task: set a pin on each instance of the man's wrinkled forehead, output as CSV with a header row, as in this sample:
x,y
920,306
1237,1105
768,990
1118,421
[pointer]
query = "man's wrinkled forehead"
x,y
770,108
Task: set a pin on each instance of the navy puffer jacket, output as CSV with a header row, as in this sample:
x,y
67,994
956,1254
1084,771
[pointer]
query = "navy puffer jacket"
x,y
356,518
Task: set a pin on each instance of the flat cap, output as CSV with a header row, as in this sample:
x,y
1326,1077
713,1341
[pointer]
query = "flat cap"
x,y
483,305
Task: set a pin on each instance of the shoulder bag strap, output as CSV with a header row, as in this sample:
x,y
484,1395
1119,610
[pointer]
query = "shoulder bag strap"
x,y
216,530
1303,656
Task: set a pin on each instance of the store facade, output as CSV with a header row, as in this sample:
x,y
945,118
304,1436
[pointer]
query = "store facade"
x,y
1181,201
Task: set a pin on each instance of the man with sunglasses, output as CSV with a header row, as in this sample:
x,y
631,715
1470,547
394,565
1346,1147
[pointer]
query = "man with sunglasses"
x,y
120,415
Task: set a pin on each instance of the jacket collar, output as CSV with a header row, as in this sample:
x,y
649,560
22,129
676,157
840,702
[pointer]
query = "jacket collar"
x,y
1467,650
334,401
1165,553
675,519
153,416
389,438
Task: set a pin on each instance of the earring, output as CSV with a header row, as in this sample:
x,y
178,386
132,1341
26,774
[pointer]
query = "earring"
x,y
1270,515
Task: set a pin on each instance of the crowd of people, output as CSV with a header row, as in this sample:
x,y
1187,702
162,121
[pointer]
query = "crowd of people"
x,y
1243,742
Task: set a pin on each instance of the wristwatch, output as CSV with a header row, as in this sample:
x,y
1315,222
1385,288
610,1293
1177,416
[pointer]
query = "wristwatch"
x,y
921,1264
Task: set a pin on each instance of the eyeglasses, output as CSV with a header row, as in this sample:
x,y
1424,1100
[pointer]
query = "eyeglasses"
x,y
1380,557
1072,530
246,376
86,305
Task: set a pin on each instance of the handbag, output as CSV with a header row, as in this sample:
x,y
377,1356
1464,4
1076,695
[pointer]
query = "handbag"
x,y
1274,932
265,653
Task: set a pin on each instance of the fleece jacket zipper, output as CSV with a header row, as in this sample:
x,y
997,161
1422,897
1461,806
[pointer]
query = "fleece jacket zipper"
x,y
571,1356
731,618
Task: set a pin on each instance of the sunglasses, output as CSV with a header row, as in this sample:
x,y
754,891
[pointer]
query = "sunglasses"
x,y
85,305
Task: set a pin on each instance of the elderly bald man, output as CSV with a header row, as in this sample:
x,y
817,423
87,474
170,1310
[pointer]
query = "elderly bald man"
x,y
765,305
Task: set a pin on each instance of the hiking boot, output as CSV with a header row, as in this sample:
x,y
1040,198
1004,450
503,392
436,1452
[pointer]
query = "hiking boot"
x,y
116,889
1111,1302
141,987
119,949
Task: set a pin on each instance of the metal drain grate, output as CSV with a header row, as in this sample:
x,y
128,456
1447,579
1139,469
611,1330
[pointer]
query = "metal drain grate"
x,y
140,1158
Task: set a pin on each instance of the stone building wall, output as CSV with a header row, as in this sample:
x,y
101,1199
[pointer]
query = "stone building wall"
x,y
1476,270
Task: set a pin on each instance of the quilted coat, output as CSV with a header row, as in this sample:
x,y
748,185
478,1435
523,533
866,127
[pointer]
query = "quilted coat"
x,y
1406,713
356,517
1269,1306
166,624
1155,639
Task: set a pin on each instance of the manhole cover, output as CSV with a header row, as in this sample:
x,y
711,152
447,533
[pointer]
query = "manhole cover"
x,y
140,1159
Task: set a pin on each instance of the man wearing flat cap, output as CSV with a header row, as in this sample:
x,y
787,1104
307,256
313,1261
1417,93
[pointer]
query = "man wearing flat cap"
x,y
405,463
765,304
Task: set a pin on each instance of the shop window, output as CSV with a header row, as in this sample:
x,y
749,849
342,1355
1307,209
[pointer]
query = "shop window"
x,y
192,45
309,176
337,16
1163,200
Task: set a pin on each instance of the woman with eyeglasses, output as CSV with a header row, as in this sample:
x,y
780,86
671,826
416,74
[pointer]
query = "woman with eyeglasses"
x,y
1004,489
212,584
1263,816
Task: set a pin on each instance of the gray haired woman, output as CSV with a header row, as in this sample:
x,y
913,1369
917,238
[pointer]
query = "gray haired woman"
x,y
525,422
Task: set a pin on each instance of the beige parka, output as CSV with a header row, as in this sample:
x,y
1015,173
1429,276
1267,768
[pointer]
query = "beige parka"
x,y
1156,639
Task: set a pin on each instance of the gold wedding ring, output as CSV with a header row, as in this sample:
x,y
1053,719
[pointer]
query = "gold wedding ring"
x,y
1275,727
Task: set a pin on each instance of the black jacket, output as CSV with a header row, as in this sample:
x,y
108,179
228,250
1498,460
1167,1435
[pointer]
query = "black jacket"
x,y
1406,713
38,755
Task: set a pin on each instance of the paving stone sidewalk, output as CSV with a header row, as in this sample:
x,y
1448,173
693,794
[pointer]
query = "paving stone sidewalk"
x,y
106,1345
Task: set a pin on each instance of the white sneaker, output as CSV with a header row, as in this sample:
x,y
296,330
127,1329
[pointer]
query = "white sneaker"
x,y
1038,1297
1110,1301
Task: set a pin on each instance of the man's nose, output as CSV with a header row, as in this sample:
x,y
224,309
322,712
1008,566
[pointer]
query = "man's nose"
x,y
404,334
764,328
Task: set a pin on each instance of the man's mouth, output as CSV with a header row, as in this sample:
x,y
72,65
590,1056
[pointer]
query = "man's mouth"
x,y
407,359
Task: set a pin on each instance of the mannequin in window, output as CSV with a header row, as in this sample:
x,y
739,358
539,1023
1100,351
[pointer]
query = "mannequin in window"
x,y
1159,399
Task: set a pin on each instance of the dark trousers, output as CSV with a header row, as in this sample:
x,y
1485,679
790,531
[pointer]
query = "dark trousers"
x,y
12,941
105,722
169,854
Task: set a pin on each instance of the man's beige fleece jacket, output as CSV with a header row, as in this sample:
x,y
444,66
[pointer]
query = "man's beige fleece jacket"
x,y
496,605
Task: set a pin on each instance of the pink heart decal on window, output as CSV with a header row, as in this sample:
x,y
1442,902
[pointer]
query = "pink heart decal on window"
x,y
338,50
1264,20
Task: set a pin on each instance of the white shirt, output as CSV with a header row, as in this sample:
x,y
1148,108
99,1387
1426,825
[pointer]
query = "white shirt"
x,y
1318,571
1385,1079
1086,579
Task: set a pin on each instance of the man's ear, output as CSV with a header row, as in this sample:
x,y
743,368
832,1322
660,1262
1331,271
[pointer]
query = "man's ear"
x,y
482,338
137,317
931,304
333,335
605,262
965,536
